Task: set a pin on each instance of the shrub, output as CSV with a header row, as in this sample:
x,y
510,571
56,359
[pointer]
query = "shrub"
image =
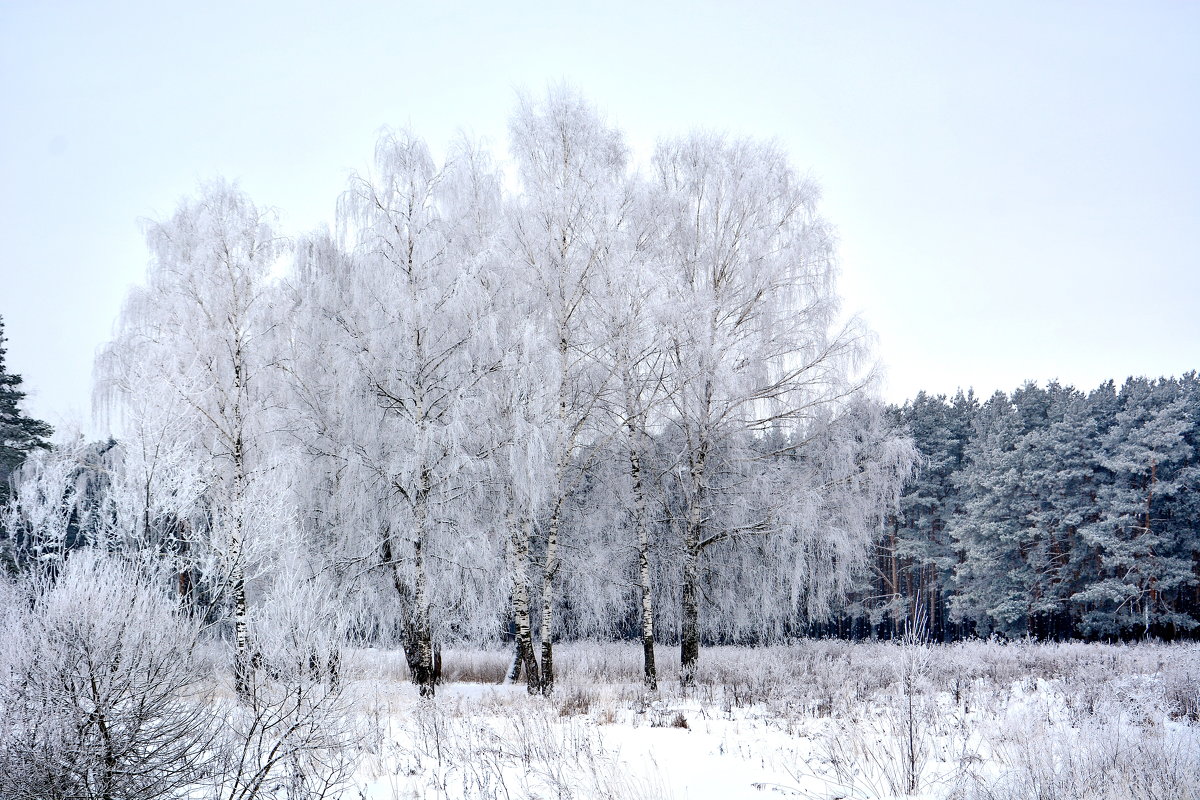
x,y
100,690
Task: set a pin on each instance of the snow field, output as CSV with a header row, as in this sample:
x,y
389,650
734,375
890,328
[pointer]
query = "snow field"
x,y
977,721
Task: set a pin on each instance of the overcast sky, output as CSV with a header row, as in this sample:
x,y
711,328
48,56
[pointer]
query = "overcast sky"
x,y
1016,186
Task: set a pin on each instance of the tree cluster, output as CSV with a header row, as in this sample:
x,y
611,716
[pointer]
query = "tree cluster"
x,y
571,399
1048,512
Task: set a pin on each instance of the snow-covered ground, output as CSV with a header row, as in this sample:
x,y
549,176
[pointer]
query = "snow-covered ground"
x,y
979,721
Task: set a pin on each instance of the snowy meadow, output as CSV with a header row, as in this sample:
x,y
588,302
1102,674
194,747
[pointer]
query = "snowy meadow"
x,y
97,706
110,693
819,719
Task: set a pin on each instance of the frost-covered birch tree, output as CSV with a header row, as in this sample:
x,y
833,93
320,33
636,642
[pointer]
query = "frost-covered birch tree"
x,y
410,305
521,453
757,345
631,335
201,333
571,166
157,484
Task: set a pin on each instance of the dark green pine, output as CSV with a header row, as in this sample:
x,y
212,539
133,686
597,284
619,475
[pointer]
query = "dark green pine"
x,y
19,434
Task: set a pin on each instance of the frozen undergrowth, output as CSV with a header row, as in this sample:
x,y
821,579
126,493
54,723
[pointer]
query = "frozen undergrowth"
x,y
823,719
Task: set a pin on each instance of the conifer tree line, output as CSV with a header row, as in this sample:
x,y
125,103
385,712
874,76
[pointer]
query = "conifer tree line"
x,y
1046,512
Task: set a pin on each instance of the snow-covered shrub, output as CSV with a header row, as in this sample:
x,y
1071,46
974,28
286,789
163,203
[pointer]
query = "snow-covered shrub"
x,y
101,692
291,733
1181,688
285,740
884,746
476,666
1100,761
508,748
576,700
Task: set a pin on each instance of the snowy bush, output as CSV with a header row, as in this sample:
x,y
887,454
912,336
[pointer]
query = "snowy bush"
x,y
291,733
101,692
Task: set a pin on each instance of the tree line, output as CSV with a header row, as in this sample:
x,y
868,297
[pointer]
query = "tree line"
x,y
1047,512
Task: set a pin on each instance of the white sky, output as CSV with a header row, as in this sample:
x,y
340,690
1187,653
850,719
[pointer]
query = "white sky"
x,y
1016,185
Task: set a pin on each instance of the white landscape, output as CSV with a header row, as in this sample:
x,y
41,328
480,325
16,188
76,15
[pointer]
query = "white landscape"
x,y
821,719
563,463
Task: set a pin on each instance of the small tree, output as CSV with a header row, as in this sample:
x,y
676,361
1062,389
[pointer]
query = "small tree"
x,y
632,335
565,224
757,347
60,501
294,729
407,307
19,434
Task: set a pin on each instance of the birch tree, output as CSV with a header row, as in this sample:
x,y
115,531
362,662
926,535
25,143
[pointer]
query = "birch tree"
x,y
410,306
158,482
201,330
522,452
751,281
631,336
571,166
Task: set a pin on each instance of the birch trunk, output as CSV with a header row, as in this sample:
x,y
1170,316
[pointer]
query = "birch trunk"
x,y
424,675
242,657
650,675
546,686
242,661
689,635
564,447
524,656
412,617
514,668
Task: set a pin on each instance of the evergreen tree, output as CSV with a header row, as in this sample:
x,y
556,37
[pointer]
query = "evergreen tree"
x,y
1062,470
990,579
915,556
19,434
